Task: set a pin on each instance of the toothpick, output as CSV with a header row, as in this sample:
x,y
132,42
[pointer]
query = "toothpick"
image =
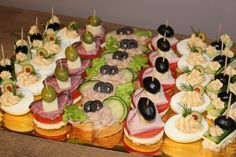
x,y
61,64
46,84
14,49
36,23
153,75
228,106
94,12
226,60
221,50
219,32
147,101
228,84
22,36
3,55
52,11
164,53
167,22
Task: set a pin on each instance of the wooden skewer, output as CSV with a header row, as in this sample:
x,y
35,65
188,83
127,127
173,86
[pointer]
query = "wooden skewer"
x,y
52,11
94,12
22,35
219,32
61,64
226,60
164,53
14,49
46,84
221,50
3,55
36,23
228,106
228,85
167,22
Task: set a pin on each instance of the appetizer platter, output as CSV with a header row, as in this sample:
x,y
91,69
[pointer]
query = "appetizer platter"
x,y
128,89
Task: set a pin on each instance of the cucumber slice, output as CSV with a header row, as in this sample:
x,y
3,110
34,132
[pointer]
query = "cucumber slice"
x,y
87,85
128,74
107,55
217,139
117,106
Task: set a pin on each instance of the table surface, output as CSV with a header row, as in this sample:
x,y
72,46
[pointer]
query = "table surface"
x,y
15,144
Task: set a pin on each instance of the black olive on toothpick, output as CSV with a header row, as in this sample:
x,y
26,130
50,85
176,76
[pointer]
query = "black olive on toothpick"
x,y
166,29
147,109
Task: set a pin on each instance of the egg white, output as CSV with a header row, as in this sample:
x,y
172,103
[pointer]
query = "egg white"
x,y
182,63
181,80
147,141
21,107
49,126
175,103
45,71
35,88
60,54
65,42
176,135
182,47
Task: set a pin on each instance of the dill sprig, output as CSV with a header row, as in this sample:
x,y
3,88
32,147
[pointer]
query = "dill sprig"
x,y
186,87
186,111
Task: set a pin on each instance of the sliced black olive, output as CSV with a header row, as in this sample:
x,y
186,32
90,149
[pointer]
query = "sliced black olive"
x,y
98,87
152,85
161,66
128,30
120,55
107,88
132,44
221,60
147,109
96,105
124,44
55,26
6,68
225,123
23,49
163,44
166,30
218,45
87,107
104,69
224,96
223,78
113,70
120,31
36,37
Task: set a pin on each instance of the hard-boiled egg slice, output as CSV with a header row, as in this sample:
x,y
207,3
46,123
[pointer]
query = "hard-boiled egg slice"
x,y
49,126
60,54
175,103
178,136
65,41
181,80
182,47
21,107
35,88
45,71
182,63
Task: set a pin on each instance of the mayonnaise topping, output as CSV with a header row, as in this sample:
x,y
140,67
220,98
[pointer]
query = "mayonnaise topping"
x,y
69,33
232,88
41,61
195,77
211,51
230,71
21,42
227,52
7,62
4,75
21,57
33,30
54,19
196,59
188,125
37,43
216,84
217,103
25,79
194,41
192,99
52,48
215,130
9,99
225,38
214,66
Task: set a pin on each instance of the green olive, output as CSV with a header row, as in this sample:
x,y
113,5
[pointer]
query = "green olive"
x,y
71,53
87,37
48,93
62,73
94,20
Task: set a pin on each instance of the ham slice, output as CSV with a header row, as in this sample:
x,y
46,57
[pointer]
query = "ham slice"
x,y
76,80
64,99
135,124
84,64
172,41
83,53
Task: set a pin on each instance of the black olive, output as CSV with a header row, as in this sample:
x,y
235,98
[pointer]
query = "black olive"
x,y
98,86
152,85
120,55
55,26
107,88
124,44
120,31
147,109
104,69
218,45
161,66
163,44
6,68
223,78
93,106
23,49
225,123
113,70
221,60
224,96
128,30
87,107
166,30
132,44
36,37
